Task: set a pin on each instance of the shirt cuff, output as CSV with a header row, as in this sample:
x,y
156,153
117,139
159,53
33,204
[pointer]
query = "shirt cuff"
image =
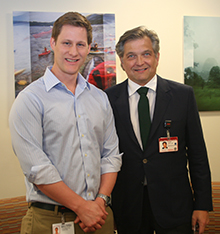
x,y
44,174
111,164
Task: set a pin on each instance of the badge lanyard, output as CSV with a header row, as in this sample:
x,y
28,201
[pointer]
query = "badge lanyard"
x,y
63,227
167,125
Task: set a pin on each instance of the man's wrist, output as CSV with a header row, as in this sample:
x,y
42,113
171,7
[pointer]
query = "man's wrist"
x,y
106,198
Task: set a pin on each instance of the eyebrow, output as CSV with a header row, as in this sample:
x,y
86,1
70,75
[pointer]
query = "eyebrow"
x,y
145,51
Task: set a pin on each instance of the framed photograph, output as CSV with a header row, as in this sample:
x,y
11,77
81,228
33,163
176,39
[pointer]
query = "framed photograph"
x,y
32,52
202,60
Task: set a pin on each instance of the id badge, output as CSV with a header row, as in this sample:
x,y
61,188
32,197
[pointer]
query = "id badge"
x,y
168,144
66,228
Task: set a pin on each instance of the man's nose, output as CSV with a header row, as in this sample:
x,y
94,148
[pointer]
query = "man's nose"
x,y
73,50
140,60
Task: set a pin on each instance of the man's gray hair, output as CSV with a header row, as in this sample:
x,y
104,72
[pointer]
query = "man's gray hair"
x,y
137,33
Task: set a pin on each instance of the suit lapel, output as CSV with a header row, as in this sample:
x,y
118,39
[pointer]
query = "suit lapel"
x,y
162,101
122,107
123,110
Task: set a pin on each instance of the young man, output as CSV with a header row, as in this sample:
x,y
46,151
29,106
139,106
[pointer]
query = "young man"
x,y
63,134
153,191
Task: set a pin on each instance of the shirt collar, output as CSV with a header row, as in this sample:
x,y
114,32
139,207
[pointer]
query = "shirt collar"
x,y
133,87
51,80
82,82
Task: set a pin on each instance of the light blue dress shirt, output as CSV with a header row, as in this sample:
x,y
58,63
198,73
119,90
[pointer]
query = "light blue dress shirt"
x,y
58,136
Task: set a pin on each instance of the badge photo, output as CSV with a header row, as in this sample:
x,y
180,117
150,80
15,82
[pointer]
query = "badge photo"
x,y
168,144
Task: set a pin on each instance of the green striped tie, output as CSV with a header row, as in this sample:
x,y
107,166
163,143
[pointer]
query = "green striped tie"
x,y
144,115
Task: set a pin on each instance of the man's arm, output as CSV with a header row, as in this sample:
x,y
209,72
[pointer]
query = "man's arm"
x,y
107,184
199,168
91,214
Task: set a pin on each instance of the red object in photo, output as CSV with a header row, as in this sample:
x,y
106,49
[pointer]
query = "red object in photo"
x,y
45,53
103,76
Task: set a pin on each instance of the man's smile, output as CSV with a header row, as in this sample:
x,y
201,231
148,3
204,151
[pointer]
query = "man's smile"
x,y
72,60
140,70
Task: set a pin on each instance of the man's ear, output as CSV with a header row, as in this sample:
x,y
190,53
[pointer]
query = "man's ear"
x,y
89,48
52,43
121,59
158,57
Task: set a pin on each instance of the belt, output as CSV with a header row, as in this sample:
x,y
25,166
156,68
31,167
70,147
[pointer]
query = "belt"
x,y
51,207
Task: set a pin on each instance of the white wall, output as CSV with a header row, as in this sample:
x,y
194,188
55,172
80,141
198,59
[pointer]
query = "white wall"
x,y
165,17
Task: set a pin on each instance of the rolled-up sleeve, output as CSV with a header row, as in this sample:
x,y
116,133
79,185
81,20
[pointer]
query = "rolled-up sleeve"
x,y
111,159
25,122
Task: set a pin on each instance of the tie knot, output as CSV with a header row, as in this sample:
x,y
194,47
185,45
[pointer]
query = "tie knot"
x,y
142,90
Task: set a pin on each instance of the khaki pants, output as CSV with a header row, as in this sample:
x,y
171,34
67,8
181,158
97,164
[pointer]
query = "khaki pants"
x,y
39,221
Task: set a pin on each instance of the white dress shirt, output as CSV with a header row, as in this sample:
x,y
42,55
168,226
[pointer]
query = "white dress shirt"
x,y
133,102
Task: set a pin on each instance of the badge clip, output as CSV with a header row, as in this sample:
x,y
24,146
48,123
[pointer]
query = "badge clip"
x,y
63,218
167,125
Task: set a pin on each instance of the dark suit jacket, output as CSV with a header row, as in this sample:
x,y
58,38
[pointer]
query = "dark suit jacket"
x,y
170,193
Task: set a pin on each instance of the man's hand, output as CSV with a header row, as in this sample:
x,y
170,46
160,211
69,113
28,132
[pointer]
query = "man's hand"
x,y
91,216
202,218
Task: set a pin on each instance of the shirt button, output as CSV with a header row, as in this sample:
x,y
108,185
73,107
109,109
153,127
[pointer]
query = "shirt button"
x,y
145,161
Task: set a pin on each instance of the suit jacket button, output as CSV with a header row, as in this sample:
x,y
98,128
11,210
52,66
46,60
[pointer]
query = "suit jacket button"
x,y
145,161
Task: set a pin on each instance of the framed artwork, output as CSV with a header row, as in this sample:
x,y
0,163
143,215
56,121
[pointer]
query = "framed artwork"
x,y
32,52
202,60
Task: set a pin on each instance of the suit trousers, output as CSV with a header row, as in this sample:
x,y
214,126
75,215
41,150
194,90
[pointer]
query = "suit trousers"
x,y
149,225
39,221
